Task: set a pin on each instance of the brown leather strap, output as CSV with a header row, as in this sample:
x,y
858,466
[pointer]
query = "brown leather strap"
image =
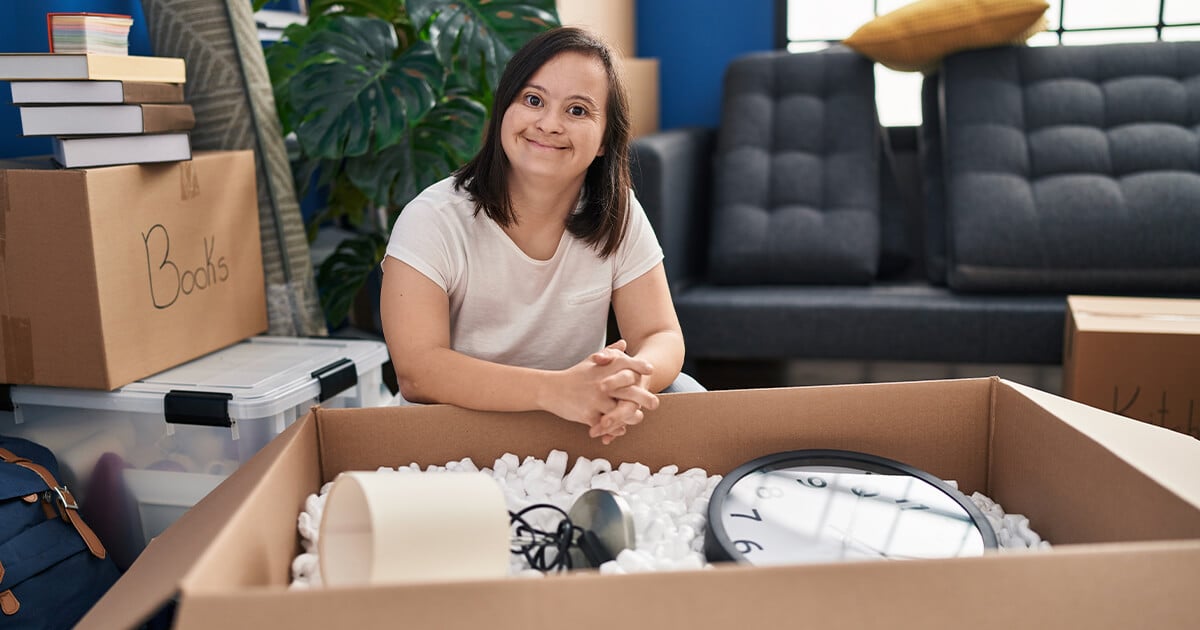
x,y
9,603
63,500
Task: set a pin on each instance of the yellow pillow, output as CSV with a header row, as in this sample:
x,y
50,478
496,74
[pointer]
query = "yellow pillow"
x,y
916,36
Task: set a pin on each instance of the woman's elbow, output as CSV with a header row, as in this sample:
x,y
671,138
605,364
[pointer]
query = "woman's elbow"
x,y
412,391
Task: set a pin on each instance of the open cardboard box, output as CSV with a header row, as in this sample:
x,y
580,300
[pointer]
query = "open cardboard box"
x,y
1119,499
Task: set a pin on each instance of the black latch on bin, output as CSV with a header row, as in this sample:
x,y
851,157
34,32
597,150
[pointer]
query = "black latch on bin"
x,y
336,378
208,409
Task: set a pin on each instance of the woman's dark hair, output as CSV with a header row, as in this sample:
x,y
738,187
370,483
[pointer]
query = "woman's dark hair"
x,y
601,223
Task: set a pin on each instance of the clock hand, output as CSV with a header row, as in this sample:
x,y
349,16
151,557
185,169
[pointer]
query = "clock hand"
x,y
864,546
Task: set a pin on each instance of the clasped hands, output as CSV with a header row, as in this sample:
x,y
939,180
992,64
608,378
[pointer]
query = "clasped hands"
x,y
608,391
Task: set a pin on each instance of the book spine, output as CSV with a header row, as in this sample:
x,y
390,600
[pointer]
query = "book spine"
x,y
134,92
156,118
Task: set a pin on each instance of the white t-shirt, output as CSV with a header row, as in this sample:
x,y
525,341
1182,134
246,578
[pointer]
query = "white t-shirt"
x,y
506,307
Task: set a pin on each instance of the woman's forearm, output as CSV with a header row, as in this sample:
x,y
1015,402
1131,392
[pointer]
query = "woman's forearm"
x,y
441,375
664,350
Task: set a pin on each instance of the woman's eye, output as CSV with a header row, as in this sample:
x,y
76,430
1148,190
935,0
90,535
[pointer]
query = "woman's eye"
x,y
577,110
533,100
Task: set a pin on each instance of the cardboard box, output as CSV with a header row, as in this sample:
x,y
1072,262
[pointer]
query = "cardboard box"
x,y
641,78
1138,357
614,20
1120,500
111,274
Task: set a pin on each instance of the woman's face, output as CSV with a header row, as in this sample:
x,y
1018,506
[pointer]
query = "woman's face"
x,y
555,127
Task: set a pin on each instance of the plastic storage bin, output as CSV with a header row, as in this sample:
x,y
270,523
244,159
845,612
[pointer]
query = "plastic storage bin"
x,y
180,432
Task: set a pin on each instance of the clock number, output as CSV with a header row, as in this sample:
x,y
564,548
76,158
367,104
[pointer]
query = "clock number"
x,y
864,493
745,546
769,493
753,517
812,482
905,504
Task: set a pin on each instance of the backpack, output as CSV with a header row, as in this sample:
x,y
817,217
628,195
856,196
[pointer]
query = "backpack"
x,y
53,568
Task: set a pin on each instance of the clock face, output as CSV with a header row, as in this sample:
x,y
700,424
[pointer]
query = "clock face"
x,y
832,506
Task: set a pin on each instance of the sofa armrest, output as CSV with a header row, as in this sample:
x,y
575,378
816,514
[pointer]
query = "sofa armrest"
x,y
672,175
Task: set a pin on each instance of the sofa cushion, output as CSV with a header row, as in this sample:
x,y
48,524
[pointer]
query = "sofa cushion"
x,y
1074,168
796,171
900,321
918,35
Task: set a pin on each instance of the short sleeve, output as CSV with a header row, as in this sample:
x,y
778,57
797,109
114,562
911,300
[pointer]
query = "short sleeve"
x,y
425,237
639,252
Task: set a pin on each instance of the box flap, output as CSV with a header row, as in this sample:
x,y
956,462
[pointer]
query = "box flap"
x,y
1168,457
1128,314
161,570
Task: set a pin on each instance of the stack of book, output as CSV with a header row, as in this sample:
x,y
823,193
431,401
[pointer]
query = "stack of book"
x,y
102,109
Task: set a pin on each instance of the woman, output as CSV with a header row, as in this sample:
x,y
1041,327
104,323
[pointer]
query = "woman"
x,y
497,281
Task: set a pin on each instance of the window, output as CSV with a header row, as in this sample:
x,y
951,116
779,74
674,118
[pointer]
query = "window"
x,y
815,24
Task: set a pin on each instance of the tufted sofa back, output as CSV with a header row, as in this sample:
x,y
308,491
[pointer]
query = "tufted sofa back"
x,y
1073,168
796,171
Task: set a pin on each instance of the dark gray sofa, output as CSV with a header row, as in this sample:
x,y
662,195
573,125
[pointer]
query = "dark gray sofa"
x,y
1039,172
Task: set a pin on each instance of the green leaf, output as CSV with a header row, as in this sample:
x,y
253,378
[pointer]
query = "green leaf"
x,y
443,141
355,97
344,272
477,37
284,60
388,10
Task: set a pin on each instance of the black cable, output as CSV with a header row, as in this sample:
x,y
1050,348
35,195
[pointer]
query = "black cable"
x,y
535,548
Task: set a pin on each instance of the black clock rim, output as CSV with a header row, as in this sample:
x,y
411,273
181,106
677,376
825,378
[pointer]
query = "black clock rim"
x,y
717,547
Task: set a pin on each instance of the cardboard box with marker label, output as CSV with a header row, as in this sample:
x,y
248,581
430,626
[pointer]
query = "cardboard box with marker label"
x,y
1138,357
111,274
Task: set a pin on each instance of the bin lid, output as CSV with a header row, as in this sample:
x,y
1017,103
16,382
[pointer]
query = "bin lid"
x,y
257,378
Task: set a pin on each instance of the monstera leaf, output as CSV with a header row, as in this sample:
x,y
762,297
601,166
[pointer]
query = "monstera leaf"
x,y
446,138
477,37
282,64
357,97
389,10
343,274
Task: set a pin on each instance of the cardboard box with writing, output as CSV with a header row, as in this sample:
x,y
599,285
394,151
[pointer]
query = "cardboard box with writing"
x,y
108,275
1138,357
1120,501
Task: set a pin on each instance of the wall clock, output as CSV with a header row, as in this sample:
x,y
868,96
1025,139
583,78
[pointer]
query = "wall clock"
x,y
813,506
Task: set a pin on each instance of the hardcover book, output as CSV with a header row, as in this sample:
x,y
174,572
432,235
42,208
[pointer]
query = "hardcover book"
x,y
69,120
85,151
94,92
41,66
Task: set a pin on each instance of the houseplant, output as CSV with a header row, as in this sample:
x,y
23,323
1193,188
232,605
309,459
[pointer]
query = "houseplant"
x,y
386,97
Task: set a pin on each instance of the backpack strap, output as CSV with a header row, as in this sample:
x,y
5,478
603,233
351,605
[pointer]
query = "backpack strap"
x,y
62,498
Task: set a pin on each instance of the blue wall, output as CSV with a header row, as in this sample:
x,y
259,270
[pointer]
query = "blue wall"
x,y
694,41
23,29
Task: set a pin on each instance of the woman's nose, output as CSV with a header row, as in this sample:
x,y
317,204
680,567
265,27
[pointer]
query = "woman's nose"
x,y
550,121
